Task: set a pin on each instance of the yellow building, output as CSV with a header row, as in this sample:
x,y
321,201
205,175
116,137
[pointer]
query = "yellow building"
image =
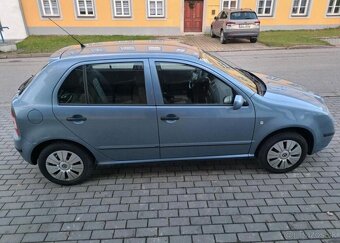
x,y
170,17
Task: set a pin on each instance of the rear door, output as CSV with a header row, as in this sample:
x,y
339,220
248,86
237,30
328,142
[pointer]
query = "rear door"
x,y
110,105
195,113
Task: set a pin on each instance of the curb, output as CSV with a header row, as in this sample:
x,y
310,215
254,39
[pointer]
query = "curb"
x,y
18,55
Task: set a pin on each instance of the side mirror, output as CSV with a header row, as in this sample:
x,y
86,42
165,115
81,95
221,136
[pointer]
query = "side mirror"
x,y
238,102
215,18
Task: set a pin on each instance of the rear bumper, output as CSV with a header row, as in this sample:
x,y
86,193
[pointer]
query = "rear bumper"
x,y
241,33
24,148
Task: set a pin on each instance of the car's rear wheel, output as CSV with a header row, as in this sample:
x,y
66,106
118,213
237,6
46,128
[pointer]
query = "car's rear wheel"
x,y
222,38
253,39
65,163
283,152
212,35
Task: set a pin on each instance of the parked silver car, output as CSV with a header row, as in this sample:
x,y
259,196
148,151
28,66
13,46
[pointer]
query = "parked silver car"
x,y
236,23
150,101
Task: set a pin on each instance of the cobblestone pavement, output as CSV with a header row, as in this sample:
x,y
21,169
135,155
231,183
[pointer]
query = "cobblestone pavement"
x,y
205,42
209,201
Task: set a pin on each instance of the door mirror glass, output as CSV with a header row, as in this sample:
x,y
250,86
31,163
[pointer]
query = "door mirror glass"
x,y
215,18
228,100
238,102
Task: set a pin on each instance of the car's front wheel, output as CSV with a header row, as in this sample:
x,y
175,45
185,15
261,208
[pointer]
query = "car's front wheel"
x,y
283,152
65,163
212,35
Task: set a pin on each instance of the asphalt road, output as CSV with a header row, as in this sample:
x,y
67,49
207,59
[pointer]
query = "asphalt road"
x,y
317,69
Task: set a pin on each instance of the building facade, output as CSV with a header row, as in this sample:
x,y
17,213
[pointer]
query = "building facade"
x,y
11,17
170,17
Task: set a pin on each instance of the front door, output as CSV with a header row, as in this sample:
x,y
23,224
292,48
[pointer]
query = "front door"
x,y
195,113
193,15
110,107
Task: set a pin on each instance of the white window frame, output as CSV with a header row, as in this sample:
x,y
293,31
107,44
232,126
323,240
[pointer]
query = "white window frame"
x,y
264,8
156,12
52,14
333,6
86,9
122,8
299,7
229,1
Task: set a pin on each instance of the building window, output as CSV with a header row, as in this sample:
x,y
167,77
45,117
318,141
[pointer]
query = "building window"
x,y
85,8
122,8
334,7
49,8
300,7
229,4
156,8
265,7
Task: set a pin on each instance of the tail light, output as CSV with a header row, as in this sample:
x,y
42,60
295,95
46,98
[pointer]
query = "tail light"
x,y
257,23
230,24
15,122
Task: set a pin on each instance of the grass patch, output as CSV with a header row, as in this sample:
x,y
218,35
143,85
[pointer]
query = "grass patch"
x,y
50,43
288,38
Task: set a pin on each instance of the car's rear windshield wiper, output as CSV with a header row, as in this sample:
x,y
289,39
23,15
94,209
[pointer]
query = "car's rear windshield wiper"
x,y
23,86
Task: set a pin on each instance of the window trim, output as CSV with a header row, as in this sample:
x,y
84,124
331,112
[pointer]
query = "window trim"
x,y
43,13
149,12
237,4
298,14
332,13
87,15
150,99
264,14
115,15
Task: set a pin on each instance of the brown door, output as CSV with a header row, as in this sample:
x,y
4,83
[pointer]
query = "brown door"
x,y
193,15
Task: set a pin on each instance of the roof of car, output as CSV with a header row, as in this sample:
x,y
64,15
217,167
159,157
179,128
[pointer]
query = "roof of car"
x,y
121,47
238,10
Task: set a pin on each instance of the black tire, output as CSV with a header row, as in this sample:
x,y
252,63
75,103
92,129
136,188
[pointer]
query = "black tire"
x,y
84,167
223,40
253,39
212,35
267,147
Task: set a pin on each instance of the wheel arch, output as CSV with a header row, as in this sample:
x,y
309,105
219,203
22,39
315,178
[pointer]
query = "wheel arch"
x,y
37,150
308,136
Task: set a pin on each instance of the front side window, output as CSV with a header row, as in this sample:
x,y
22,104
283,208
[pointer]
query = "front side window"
x,y
85,8
300,7
229,4
333,7
50,8
122,8
265,7
184,84
156,8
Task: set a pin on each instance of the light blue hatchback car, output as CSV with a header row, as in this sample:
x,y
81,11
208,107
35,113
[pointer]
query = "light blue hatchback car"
x,y
145,101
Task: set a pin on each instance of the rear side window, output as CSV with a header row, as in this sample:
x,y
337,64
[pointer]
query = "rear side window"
x,y
107,83
242,15
72,91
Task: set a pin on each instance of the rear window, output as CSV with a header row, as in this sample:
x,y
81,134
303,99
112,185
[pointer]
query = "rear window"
x,y
243,15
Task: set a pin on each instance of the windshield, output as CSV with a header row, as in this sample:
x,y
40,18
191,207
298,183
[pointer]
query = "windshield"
x,y
233,72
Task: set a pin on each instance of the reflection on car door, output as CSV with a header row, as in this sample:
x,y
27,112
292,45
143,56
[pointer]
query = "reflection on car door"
x,y
195,113
115,112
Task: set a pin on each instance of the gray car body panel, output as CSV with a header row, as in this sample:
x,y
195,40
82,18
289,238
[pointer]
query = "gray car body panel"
x,y
250,125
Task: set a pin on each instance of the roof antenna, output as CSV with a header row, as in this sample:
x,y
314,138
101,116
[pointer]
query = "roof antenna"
x,y
81,44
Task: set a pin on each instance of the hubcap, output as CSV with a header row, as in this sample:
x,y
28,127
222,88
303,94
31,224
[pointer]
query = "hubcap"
x,y
64,165
284,154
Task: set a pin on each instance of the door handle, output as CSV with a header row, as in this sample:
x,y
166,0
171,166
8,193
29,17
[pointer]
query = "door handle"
x,y
170,117
76,118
